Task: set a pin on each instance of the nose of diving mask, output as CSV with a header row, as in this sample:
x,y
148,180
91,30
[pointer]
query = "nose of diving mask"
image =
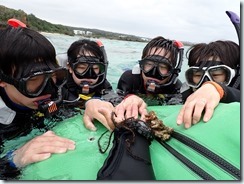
x,y
89,74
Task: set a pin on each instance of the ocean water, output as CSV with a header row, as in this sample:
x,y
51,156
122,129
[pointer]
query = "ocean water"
x,y
122,55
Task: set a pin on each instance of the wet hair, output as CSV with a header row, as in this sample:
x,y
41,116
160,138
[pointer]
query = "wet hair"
x,y
82,47
23,51
161,43
227,51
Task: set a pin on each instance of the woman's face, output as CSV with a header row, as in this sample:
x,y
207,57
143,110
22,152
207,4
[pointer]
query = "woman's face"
x,y
161,67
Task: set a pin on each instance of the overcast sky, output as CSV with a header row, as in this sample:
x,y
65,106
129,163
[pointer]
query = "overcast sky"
x,y
185,20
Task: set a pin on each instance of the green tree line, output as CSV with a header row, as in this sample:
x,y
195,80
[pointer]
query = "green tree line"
x,y
32,21
43,26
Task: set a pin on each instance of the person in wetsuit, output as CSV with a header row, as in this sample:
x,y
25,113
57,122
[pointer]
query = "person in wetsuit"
x,y
156,76
87,64
153,81
31,84
213,77
87,83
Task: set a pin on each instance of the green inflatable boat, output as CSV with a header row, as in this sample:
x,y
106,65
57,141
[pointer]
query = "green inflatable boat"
x,y
221,135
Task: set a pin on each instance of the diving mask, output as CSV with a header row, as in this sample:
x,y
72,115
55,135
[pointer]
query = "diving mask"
x,y
195,76
36,83
88,67
155,66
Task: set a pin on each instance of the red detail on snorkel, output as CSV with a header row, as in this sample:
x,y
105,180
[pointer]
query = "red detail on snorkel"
x,y
178,44
16,23
100,44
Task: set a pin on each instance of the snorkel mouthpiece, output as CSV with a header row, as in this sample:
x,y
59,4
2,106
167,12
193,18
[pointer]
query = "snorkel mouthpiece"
x,y
151,86
50,107
85,88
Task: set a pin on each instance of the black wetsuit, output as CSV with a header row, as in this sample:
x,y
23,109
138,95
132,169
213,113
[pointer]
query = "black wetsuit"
x,y
104,91
133,84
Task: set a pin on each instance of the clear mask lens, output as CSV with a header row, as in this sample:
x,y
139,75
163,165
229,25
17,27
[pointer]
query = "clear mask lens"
x,y
82,67
163,66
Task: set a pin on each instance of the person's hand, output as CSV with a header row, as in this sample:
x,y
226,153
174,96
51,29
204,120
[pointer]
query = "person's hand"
x,y
41,148
206,98
131,106
99,110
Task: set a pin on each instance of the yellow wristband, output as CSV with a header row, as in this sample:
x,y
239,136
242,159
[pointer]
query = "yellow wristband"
x,y
218,87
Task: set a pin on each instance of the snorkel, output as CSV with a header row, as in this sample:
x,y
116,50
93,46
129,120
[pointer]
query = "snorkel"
x,y
153,86
235,19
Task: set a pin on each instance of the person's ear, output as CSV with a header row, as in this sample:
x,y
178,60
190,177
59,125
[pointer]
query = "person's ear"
x,y
3,84
69,68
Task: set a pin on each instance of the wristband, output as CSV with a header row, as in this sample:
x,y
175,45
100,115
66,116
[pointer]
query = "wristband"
x,y
218,88
10,157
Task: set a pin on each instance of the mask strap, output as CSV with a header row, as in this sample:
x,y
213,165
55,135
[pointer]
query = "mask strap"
x,y
7,79
180,46
177,68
